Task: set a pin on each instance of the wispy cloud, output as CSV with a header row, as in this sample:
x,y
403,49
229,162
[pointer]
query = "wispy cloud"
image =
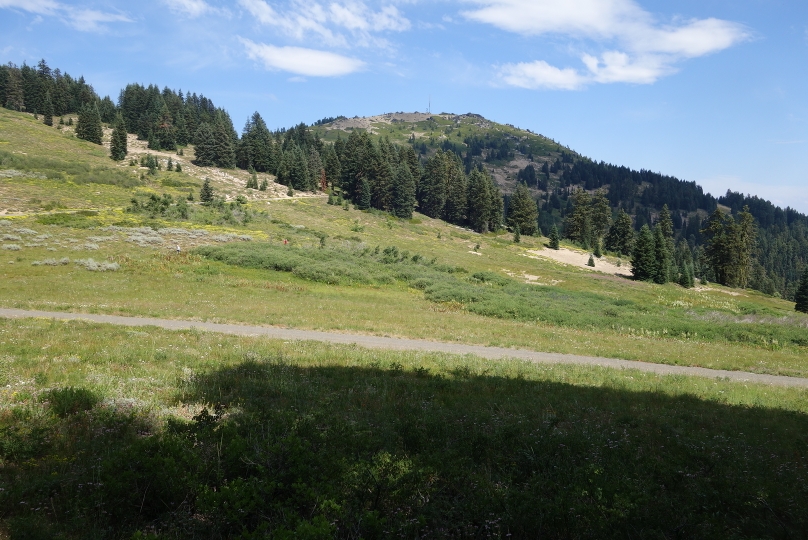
x,y
83,19
42,7
334,24
190,8
627,44
91,20
301,61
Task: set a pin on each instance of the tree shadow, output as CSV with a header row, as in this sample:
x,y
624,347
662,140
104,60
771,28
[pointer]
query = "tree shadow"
x,y
372,452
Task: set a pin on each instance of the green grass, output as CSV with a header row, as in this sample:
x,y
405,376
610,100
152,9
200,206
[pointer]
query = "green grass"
x,y
583,313
110,432
215,436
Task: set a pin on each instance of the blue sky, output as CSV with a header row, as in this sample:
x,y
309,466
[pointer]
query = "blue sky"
x,y
714,91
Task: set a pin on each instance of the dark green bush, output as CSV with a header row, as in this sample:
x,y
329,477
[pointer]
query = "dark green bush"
x,y
70,400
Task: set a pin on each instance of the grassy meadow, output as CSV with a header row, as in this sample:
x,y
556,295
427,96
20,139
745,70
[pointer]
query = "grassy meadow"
x,y
111,432
108,432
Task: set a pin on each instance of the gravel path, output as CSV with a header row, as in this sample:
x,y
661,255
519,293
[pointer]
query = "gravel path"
x,y
401,344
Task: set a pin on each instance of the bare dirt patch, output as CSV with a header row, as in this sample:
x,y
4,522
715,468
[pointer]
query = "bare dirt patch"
x,y
580,259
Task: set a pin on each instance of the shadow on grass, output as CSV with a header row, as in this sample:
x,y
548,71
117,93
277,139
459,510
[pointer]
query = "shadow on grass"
x,y
322,452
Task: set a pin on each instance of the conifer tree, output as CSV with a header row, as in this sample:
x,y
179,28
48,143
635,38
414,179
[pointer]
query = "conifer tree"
x,y
47,113
479,201
643,264
333,168
403,192
601,216
89,125
206,193
801,297
620,238
432,189
455,208
579,224
118,144
591,261
165,132
363,194
205,146
225,153
523,212
517,237
554,237
316,170
662,258
597,252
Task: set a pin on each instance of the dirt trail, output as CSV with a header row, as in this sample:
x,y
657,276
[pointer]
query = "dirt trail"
x,y
401,344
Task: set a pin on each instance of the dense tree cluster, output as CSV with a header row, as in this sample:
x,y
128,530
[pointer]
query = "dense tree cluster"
x,y
730,246
44,91
656,258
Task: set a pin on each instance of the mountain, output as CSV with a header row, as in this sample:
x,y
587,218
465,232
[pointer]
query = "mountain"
x,y
362,167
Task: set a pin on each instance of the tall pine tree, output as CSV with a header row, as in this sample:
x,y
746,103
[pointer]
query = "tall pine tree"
x,y
47,112
205,146
89,124
403,192
523,212
118,145
643,263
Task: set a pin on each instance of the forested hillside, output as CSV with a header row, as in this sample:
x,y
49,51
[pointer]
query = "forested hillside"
x,y
461,168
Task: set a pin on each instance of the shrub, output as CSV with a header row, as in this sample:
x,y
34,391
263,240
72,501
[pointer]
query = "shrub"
x,y
70,400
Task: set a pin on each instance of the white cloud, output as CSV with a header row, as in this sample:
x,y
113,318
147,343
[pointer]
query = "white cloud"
x,y
301,61
90,20
191,8
86,20
333,24
42,7
540,74
638,49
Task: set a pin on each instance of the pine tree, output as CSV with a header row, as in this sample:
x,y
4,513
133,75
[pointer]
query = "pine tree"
x,y
48,110
662,258
601,216
206,193
591,261
479,201
403,192
89,125
118,144
264,185
205,146
317,177
579,223
620,238
801,297
554,237
598,252
517,237
432,189
364,195
523,212
153,141
224,151
455,208
643,264
333,168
